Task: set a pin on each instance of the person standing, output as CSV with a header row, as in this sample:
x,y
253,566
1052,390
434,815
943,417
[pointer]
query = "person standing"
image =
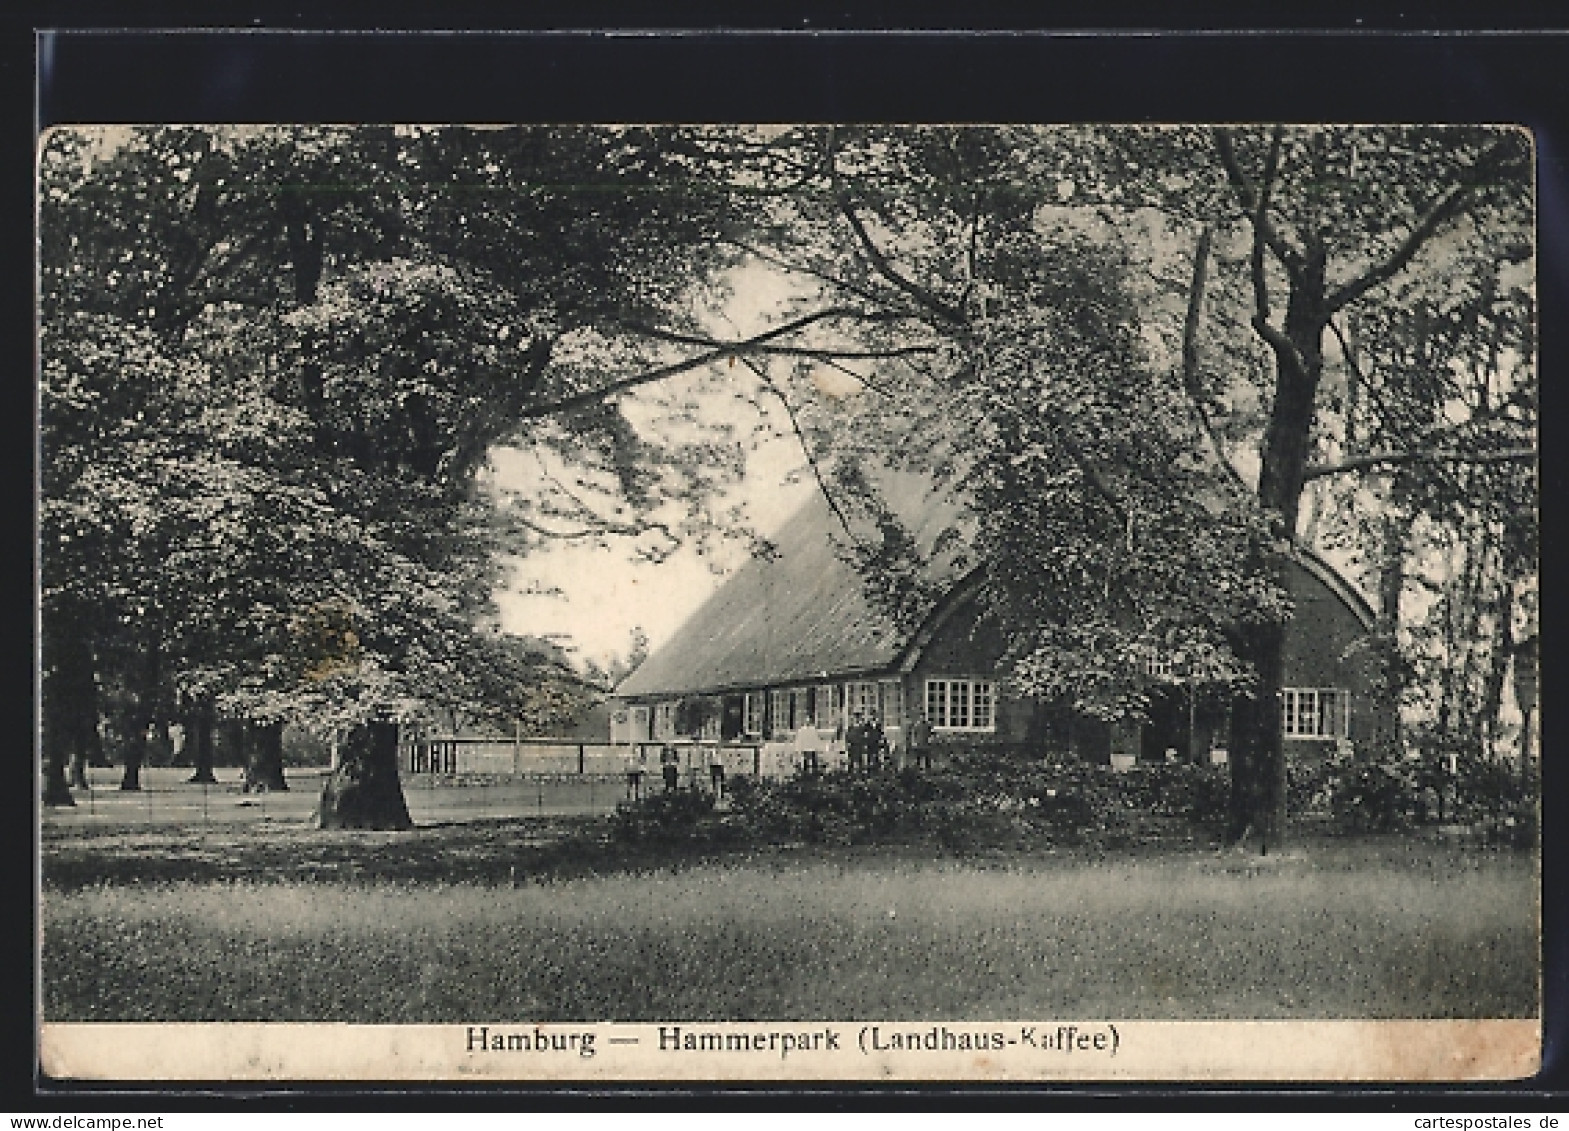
x,y
876,743
809,748
634,768
921,742
670,764
855,744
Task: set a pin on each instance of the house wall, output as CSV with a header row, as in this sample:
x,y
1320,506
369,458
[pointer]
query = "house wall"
x,y
968,645
1322,650
1320,653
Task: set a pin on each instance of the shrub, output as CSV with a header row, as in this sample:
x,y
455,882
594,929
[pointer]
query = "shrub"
x,y
983,801
838,807
1486,795
672,817
1493,797
1310,786
1373,796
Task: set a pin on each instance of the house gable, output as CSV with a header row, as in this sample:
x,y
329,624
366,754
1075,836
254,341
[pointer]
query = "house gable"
x,y
1324,646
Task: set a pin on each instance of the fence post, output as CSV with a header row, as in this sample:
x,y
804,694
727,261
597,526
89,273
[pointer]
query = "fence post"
x,y
580,759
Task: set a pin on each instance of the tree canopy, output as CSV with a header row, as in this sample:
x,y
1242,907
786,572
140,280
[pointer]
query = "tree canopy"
x,y
275,362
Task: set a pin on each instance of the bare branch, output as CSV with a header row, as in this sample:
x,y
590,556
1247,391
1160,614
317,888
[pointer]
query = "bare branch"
x,y
1190,351
806,447
920,294
1435,455
600,528
1448,205
1275,339
721,352
879,261
1257,205
821,353
860,378
804,269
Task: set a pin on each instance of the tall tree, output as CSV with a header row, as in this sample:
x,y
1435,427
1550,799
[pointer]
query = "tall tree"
x,y
338,326
946,235
1335,216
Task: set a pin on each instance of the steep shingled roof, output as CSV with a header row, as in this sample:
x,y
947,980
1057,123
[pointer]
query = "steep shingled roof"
x,y
799,614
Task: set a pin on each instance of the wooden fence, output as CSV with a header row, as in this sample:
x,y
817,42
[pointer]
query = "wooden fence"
x,y
451,756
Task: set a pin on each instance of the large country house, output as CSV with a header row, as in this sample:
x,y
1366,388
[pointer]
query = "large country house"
x,y
792,638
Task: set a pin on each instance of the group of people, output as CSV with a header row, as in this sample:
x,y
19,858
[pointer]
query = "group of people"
x,y
865,745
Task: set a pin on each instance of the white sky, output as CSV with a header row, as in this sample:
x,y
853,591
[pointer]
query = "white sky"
x,y
605,589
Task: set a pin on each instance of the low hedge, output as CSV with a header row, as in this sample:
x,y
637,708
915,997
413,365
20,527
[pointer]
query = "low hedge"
x,y
973,803
1486,797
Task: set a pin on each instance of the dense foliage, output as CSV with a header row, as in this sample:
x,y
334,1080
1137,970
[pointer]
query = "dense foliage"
x,y
276,364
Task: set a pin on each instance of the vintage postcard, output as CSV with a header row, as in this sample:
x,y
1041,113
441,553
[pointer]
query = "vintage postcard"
x,y
723,603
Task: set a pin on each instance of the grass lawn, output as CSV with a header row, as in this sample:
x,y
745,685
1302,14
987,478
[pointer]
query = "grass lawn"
x,y
314,926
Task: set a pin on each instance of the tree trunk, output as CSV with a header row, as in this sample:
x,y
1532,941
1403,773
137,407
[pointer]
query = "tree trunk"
x,y
1490,724
66,669
264,768
143,716
199,728
1258,776
135,754
1257,759
1386,740
89,741
364,791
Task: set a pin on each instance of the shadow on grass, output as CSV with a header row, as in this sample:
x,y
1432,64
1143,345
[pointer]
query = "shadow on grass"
x,y
504,850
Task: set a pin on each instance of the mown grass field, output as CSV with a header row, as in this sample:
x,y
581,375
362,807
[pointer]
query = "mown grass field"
x,y
342,927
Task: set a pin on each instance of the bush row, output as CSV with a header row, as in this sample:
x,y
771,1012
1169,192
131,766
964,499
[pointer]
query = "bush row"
x,y
975,803
991,800
1479,794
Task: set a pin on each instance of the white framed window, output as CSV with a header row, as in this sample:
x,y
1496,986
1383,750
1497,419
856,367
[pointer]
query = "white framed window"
x,y
780,724
982,707
827,706
800,706
892,700
664,721
1315,712
752,713
961,704
860,701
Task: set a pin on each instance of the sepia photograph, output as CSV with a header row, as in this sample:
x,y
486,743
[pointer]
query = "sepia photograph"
x,y
995,602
